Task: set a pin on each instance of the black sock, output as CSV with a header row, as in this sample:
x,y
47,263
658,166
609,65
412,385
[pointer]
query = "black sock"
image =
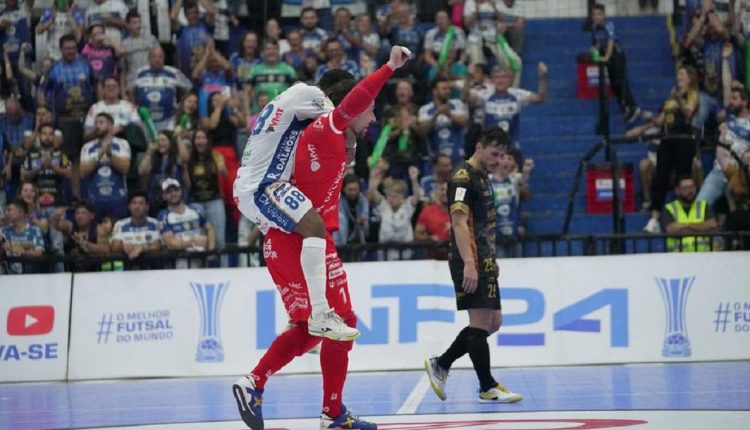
x,y
455,351
479,352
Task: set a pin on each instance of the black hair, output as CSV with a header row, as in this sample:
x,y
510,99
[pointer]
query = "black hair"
x,y
598,6
350,178
132,13
340,90
744,95
308,9
137,193
494,136
106,115
331,78
83,204
440,77
67,38
20,204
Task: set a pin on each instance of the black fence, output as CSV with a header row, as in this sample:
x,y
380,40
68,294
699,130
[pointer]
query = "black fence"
x,y
541,246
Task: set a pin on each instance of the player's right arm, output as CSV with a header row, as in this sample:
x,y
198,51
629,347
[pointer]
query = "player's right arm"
x,y
460,207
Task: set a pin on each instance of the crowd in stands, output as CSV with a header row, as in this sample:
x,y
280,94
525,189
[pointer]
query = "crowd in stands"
x,y
116,142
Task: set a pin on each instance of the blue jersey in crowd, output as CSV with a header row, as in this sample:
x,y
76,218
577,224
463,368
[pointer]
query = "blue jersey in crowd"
x,y
156,89
14,130
504,110
140,233
602,34
212,83
242,67
447,137
18,31
188,224
106,185
191,41
348,65
30,238
71,86
410,37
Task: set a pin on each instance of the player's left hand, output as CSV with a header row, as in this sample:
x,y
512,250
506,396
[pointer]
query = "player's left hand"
x,y
399,56
542,69
413,173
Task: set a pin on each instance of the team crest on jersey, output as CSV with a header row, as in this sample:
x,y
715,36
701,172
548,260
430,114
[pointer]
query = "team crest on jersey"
x,y
461,175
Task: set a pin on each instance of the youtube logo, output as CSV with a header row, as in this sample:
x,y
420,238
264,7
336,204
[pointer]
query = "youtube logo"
x,y
30,320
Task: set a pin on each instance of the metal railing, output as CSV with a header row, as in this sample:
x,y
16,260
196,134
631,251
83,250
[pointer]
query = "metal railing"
x,y
538,246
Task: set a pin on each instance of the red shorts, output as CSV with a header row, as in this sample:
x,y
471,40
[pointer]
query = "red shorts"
x,y
282,254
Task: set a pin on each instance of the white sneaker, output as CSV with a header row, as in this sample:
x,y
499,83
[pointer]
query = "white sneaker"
x,y
331,326
437,376
499,394
652,226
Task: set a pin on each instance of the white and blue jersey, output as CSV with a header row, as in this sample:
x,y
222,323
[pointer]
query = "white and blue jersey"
x,y
268,160
157,90
191,42
137,233
507,194
737,137
30,238
447,137
313,39
106,185
504,110
242,67
191,223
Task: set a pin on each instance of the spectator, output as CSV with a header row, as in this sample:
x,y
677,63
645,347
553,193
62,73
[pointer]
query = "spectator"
x,y
104,163
611,53
81,234
477,89
165,158
396,210
270,75
442,167
193,38
434,222
29,193
735,137
124,113
404,31
214,73
313,36
110,14
436,37
19,238
253,119
344,33
443,121
102,53
248,235
303,60
138,233
204,168
224,120
371,48
404,147
156,87
48,168
483,20
57,23
187,118
225,16
647,165
39,80
512,24
71,88
243,61
354,212
137,48
336,60
510,188
15,31
503,107
13,125
688,215
43,117
273,32
678,146
182,227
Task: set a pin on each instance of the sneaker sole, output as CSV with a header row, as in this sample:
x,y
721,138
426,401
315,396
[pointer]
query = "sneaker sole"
x,y
332,337
438,391
510,400
248,417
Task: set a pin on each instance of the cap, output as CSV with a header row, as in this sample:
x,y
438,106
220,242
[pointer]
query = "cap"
x,y
169,183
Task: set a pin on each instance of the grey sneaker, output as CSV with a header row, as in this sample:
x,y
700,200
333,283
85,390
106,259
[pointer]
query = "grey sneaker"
x,y
437,376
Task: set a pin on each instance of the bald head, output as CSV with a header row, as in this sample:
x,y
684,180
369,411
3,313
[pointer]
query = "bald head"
x,y
156,57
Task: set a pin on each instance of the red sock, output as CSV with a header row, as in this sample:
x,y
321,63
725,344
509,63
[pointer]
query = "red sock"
x,y
289,344
334,362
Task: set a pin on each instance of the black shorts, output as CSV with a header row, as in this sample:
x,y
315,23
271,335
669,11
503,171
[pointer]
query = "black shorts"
x,y
486,296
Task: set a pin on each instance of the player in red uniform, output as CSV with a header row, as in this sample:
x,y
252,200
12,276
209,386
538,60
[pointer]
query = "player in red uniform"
x,y
320,165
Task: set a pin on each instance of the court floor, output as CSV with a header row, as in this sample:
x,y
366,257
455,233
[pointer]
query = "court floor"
x,y
685,396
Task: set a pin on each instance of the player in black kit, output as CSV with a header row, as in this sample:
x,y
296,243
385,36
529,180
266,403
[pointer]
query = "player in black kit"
x,y
474,268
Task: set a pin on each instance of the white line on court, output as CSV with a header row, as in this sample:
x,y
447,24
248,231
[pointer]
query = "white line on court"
x,y
415,397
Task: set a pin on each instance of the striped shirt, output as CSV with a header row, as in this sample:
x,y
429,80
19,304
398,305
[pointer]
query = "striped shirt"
x,y
123,112
14,131
156,89
129,232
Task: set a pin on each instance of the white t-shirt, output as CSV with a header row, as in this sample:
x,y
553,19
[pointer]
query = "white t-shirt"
x,y
395,226
269,152
123,112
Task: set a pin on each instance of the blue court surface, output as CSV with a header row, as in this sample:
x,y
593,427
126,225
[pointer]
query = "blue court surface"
x,y
685,396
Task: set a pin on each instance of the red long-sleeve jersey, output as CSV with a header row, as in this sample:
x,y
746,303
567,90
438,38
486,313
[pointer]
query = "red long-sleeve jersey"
x,y
320,161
